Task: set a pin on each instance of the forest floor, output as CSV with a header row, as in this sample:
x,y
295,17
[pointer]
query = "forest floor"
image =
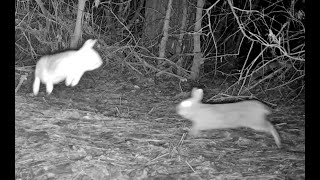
x,y
117,129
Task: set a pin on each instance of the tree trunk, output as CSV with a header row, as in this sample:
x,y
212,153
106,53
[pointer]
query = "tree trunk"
x,y
166,26
180,40
197,58
154,19
78,29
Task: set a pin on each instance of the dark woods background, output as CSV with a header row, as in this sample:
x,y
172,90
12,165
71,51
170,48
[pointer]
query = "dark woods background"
x,y
245,48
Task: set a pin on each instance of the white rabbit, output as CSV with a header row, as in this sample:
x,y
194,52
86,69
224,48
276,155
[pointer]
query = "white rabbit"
x,y
250,114
68,66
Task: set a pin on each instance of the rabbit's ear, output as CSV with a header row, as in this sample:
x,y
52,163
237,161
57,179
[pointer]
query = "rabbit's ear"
x,y
197,94
89,43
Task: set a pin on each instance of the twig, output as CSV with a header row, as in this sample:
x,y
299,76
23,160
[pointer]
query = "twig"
x,y
22,78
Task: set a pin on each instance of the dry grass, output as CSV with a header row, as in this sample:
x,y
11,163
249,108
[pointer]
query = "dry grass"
x,y
114,132
118,131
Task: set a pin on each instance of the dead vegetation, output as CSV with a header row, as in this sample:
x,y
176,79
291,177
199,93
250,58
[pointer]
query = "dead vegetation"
x,y
120,122
114,132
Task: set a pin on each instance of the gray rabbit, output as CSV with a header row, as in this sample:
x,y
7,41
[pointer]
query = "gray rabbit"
x,y
250,114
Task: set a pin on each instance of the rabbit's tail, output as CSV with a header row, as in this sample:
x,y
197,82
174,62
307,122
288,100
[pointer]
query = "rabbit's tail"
x,y
275,135
36,85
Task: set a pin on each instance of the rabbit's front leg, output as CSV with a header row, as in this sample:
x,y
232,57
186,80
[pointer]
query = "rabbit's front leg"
x,y
76,78
194,130
49,86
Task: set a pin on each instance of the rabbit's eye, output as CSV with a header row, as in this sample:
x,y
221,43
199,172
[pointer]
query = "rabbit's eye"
x,y
186,104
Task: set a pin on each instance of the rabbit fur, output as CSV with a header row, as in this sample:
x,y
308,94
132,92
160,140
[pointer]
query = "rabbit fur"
x,y
249,113
68,66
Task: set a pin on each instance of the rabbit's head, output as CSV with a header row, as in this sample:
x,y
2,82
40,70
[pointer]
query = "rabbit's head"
x,y
187,107
87,57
